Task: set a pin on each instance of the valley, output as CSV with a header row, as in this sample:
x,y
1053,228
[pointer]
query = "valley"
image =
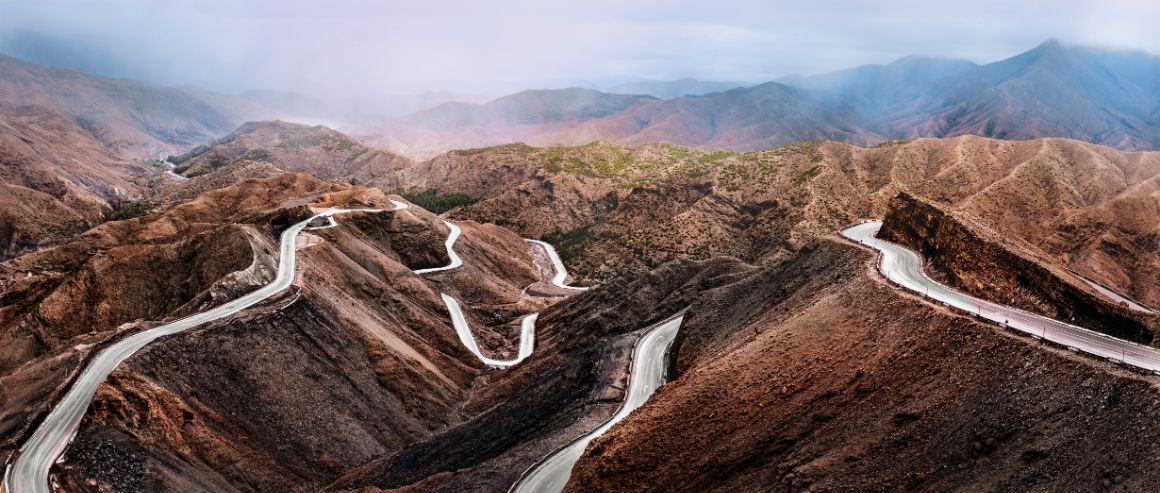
x,y
930,274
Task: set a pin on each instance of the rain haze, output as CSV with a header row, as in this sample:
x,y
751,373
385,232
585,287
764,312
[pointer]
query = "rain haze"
x,y
499,47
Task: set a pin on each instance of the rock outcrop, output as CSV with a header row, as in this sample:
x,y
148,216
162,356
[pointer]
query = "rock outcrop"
x,y
979,261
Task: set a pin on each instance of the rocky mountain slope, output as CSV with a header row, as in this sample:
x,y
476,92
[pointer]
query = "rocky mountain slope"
x,y
62,303
976,260
58,180
131,118
355,381
357,363
614,209
806,372
844,384
317,150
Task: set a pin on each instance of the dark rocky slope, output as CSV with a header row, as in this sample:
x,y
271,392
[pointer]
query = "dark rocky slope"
x,y
62,303
358,362
850,385
575,380
976,260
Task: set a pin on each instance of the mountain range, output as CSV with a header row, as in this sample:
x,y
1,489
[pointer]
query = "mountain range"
x,y
131,118
354,380
285,307
1054,90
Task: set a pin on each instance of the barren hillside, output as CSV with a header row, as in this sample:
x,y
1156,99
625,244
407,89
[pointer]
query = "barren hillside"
x,y
616,209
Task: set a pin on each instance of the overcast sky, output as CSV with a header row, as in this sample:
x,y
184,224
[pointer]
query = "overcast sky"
x,y
499,46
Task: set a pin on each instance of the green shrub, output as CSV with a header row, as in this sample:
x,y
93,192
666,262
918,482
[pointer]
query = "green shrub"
x,y
258,155
806,175
128,209
572,243
434,201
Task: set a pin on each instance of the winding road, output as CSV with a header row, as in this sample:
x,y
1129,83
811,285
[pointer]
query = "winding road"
x,y
1114,296
450,244
647,374
527,335
29,473
561,273
904,267
459,322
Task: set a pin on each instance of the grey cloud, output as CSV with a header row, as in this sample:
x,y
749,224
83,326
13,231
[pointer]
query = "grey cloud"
x,y
500,46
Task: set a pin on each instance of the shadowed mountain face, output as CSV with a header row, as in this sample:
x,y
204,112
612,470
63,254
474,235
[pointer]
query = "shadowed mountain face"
x,y
1104,97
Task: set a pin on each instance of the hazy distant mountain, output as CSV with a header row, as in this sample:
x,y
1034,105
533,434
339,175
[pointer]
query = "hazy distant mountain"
x,y
1053,90
1099,96
873,87
528,116
131,118
288,102
751,118
533,107
354,108
668,89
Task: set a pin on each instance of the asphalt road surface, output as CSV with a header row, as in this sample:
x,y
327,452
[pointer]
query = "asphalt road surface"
x,y
450,244
561,273
29,473
551,474
904,268
1114,296
527,335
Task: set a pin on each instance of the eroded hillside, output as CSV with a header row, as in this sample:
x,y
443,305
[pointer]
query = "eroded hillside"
x,y
64,302
615,209
317,150
356,363
852,386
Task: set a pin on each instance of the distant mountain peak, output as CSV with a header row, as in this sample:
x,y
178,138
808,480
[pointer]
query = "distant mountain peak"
x,y
1050,47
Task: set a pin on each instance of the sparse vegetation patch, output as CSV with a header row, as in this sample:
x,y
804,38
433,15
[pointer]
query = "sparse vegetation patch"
x,y
434,201
572,243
